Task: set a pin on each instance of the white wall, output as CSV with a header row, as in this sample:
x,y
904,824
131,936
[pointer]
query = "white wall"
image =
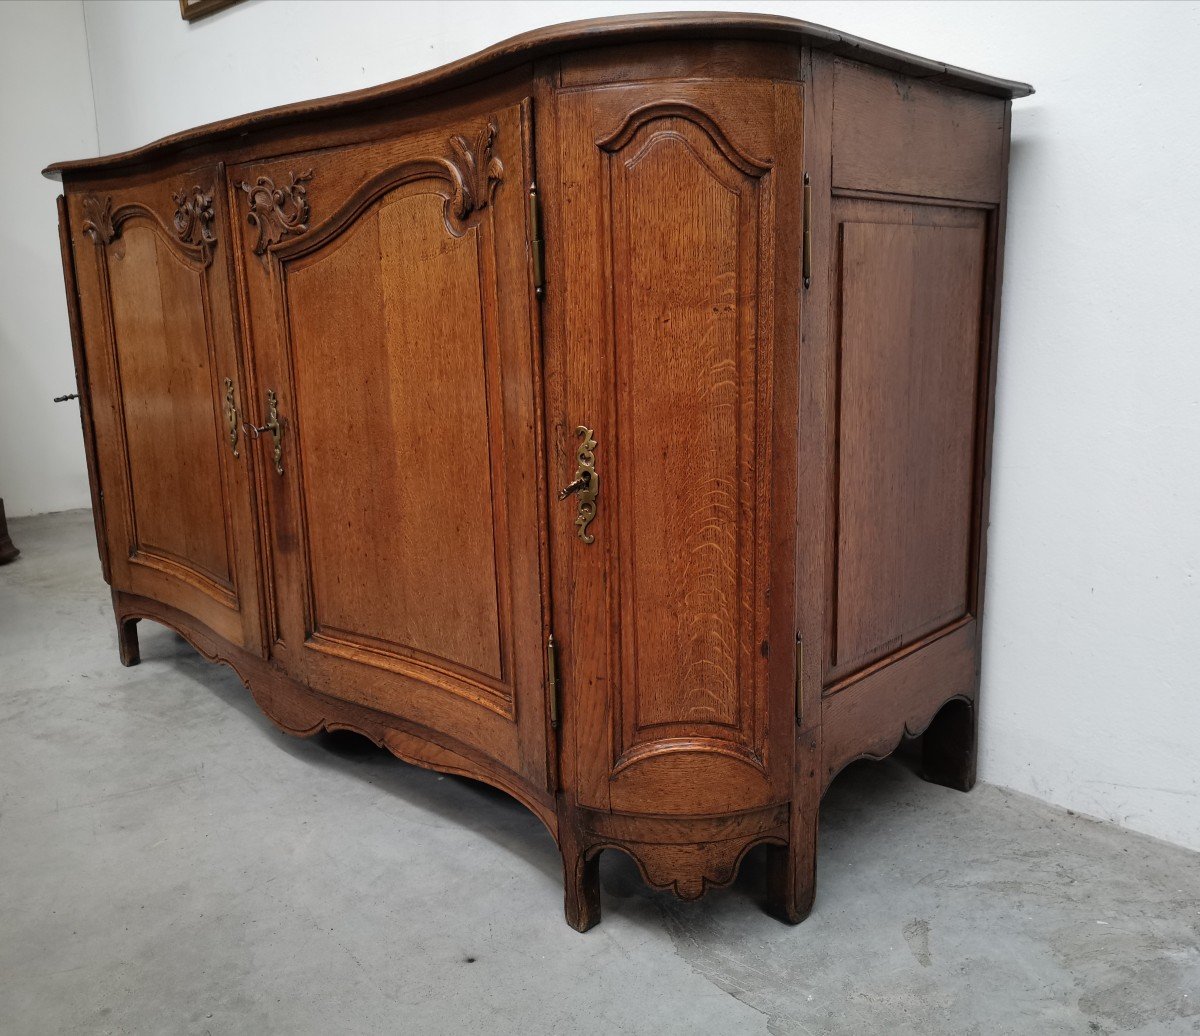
x,y
1093,623
46,113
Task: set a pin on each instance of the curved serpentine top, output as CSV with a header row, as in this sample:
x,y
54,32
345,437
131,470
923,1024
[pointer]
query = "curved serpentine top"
x,y
555,39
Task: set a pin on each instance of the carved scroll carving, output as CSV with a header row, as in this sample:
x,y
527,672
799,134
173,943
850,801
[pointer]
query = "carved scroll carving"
x,y
193,221
474,174
277,212
194,218
97,219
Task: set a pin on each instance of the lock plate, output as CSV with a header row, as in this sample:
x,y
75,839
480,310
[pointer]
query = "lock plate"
x,y
586,484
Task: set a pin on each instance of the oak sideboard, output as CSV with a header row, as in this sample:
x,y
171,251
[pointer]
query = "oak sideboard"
x,y
605,416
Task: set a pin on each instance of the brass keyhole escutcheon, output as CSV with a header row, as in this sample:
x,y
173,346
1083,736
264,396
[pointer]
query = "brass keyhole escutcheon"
x,y
231,416
273,426
586,483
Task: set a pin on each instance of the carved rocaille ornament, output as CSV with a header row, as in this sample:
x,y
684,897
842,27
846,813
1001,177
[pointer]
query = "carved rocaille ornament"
x,y
193,220
97,219
474,173
194,217
277,212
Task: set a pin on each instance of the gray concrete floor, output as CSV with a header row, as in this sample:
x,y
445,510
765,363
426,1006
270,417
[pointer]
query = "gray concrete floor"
x,y
171,863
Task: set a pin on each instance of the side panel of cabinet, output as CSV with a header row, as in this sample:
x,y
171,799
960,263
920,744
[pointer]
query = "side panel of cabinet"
x,y
910,306
165,390
908,220
671,258
394,323
917,180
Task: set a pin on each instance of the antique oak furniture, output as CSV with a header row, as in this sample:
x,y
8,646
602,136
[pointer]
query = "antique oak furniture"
x,y
605,416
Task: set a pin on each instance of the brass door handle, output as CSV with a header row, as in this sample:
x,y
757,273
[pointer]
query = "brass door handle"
x,y
231,416
273,426
586,483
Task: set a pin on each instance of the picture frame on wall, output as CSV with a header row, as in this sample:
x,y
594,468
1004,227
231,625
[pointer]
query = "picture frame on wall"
x,y
194,9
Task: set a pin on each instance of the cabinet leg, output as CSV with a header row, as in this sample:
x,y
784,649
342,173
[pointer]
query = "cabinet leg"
x,y
127,642
581,883
792,868
792,872
948,746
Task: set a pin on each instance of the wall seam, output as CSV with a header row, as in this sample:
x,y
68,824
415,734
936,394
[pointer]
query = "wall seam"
x,y
87,43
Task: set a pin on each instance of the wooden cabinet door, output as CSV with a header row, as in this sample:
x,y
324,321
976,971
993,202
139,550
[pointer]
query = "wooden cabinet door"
x,y
155,293
673,238
391,314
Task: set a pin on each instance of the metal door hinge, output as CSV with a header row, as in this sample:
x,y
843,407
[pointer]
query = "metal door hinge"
x,y
536,246
799,680
807,247
552,679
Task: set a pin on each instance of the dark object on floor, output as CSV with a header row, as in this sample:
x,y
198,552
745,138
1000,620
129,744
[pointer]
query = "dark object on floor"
x,y
7,551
